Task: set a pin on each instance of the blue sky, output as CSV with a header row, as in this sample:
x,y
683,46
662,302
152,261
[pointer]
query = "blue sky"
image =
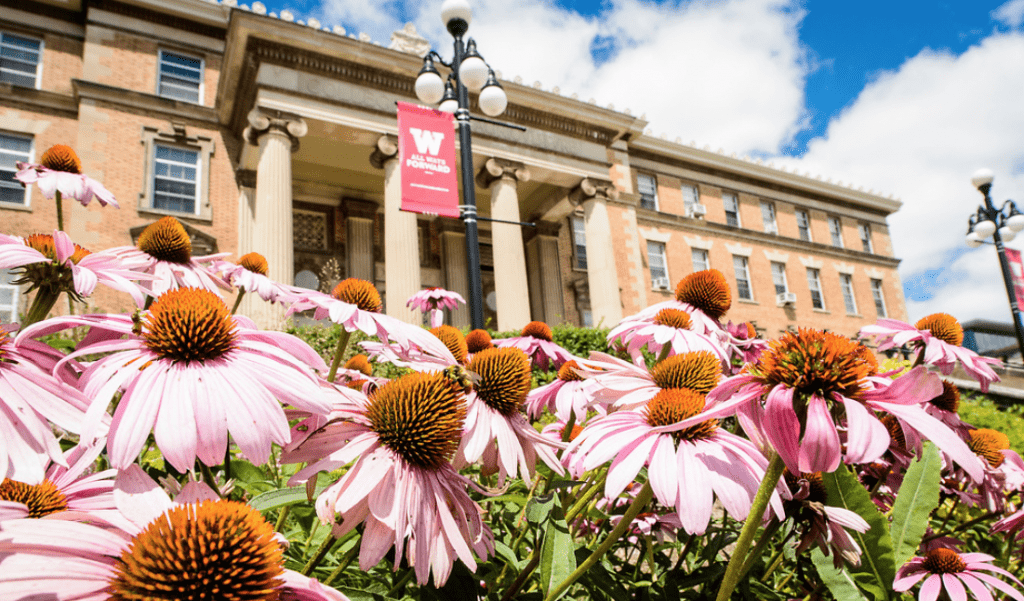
x,y
907,98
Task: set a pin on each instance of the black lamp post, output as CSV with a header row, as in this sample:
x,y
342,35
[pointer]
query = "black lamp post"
x,y
1002,224
467,71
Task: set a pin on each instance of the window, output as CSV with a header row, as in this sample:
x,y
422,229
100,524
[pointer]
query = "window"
x,y
175,179
876,293
836,229
8,297
814,283
779,278
658,264
579,242
181,77
768,218
846,281
865,236
647,186
803,223
12,150
732,209
20,60
700,259
587,317
742,277
691,195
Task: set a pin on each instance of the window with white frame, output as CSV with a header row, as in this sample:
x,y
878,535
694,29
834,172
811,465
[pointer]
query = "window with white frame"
x,y
691,195
742,268
8,297
176,177
180,77
768,217
779,278
879,298
846,282
20,60
732,209
647,187
835,227
658,263
814,283
803,224
865,236
700,259
13,149
579,242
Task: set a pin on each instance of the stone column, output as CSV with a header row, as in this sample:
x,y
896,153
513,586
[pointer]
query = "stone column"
x,y
456,277
277,136
510,282
401,236
544,270
246,180
602,276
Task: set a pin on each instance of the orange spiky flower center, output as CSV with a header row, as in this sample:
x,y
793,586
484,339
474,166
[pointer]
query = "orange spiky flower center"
x,y
812,362
751,330
212,550
949,400
255,262
166,240
943,326
45,245
896,434
504,378
673,318
61,158
537,329
567,373
454,340
189,324
672,405
360,293
478,340
706,290
944,561
816,492
989,445
420,417
697,371
41,499
360,363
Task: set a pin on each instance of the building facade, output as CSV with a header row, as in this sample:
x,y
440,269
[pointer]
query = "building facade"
x,y
262,133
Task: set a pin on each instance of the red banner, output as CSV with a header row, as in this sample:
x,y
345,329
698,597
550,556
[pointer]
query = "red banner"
x,y
1013,257
426,152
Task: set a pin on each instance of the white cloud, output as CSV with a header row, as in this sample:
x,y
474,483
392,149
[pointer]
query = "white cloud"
x,y
1010,14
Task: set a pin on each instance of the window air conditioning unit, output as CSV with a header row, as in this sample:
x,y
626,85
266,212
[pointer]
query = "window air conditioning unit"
x,y
786,298
660,283
772,230
696,211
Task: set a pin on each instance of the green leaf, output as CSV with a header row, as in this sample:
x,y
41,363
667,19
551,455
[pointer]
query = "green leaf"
x,y
557,552
839,582
247,472
917,498
280,498
539,507
877,569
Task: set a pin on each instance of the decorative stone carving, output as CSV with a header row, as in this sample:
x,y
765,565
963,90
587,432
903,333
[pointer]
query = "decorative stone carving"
x,y
263,120
245,178
385,150
408,40
495,169
593,188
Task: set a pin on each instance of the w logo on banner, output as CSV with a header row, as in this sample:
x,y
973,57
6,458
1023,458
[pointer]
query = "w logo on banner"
x,y
427,142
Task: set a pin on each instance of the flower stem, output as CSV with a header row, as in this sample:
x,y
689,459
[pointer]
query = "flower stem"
x,y
591,492
339,352
46,298
404,580
60,211
739,555
665,350
345,561
762,542
238,301
638,504
325,548
282,517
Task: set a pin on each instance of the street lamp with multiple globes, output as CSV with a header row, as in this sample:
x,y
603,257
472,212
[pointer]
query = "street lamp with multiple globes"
x,y
1002,224
467,71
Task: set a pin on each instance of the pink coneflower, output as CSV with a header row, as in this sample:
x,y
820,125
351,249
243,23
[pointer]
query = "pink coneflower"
x,y
745,344
623,385
823,525
689,459
433,301
57,263
250,275
401,485
536,342
497,433
63,489
165,251
565,395
191,374
946,571
936,339
203,549
60,170
805,376
674,328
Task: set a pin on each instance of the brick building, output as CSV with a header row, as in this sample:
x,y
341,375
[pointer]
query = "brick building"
x,y
268,134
